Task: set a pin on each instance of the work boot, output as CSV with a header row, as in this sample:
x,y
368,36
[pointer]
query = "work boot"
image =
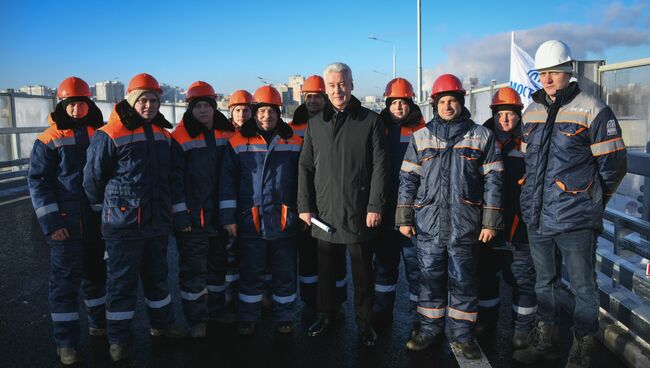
x,y
520,339
68,356
285,327
368,336
321,325
470,349
246,328
543,342
172,331
420,341
96,332
118,352
199,330
581,351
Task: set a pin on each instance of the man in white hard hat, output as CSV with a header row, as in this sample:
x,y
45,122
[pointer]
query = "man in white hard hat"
x,y
575,160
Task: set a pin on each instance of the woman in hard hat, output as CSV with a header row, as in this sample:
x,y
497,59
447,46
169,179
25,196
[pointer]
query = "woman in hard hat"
x,y
197,152
401,118
70,226
257,200
240,105
509,252
127,176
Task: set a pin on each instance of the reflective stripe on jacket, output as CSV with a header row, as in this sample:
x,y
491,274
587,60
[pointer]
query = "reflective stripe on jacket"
x,y
575,160
450,182
128,174
259,182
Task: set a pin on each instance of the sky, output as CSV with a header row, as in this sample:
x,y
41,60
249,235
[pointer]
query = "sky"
x,y
231,43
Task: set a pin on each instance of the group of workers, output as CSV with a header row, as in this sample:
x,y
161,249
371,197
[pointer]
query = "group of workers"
x,y
259,206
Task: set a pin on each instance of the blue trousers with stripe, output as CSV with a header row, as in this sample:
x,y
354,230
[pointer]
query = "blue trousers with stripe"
x,y
129,261
517,270
282,255
202,276
308,271
448,288
387,249
232,270
76,264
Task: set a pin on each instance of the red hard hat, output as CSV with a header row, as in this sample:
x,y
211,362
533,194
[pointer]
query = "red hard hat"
x,y
200,89
314,84
73,87
267,95
240,97
144,81
447,83
399,88
506,96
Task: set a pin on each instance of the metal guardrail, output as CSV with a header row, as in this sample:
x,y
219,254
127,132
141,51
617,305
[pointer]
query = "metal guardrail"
x,y
625,225
12,163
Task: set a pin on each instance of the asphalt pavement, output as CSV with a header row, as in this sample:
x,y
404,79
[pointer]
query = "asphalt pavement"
x,y
26,331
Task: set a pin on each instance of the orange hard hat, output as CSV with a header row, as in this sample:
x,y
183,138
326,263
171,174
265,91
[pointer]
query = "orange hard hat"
x,y
314,84
399,88
267,95
240,97
506,96
144,81
200,89
73,87
447,83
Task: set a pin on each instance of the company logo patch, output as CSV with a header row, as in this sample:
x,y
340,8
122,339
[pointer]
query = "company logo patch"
x,y
611,128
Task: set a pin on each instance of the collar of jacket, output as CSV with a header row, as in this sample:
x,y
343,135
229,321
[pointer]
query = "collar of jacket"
x,y
301,115
60,117
194,127
563,96
132,120
413,119
249,129
353,108
464,115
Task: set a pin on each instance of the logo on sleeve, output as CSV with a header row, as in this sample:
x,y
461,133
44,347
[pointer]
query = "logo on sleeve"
x,y
611,128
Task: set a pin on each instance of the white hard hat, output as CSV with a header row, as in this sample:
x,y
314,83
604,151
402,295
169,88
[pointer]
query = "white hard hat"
x,y
551,54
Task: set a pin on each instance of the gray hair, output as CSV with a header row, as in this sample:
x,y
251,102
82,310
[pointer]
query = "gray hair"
x,y
338,67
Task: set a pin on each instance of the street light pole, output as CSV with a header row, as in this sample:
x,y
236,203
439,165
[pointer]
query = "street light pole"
x,y
394,62
419,6
394,53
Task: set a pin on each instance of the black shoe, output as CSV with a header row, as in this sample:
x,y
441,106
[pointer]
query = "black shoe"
x,y
419,342
368,336
246,328
470,350
285,327
321,325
